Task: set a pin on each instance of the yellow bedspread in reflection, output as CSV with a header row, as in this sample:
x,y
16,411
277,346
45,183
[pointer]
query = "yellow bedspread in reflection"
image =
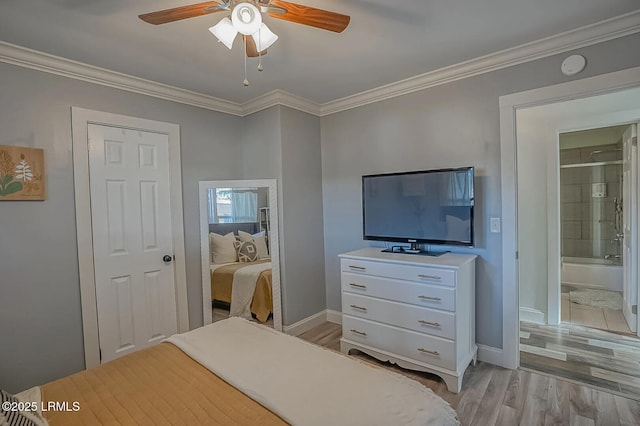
x,y
222,283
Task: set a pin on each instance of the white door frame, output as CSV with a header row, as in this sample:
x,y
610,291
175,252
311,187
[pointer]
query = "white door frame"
x,y
587,87
80,119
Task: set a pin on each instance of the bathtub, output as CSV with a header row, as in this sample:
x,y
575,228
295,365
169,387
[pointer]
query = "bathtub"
x,y
592,273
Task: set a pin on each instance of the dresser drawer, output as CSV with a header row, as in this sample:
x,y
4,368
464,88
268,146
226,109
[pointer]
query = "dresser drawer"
x,y
417,346
430,296
423,274
424,320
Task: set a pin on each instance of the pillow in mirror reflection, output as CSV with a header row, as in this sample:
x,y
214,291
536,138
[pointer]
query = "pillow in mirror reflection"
x,y
259,239
221,248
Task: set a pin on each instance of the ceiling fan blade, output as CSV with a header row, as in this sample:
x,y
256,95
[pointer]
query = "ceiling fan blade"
x,y
311,16
252,49
183,12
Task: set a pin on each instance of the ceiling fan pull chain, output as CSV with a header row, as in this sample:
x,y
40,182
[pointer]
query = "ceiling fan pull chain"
x,y
245,82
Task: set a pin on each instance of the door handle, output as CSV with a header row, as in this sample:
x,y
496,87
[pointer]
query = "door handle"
x,y
167,258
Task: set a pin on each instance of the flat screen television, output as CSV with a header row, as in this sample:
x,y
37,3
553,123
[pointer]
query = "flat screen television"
x,y
423,207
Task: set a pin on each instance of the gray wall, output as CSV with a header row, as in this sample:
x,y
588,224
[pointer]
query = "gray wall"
x,y
304,290
452,125
284,144
41,331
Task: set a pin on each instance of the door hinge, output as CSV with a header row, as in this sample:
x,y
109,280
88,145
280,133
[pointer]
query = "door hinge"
x,y
634,141
100,354
517,256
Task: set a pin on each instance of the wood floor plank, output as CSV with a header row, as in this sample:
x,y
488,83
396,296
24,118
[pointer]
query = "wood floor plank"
x,y
557,412
620,378
620,347
628,410
549,353
606,413
507,416
516,393
630,392
476,388
581,402
535,405
489,408
581,421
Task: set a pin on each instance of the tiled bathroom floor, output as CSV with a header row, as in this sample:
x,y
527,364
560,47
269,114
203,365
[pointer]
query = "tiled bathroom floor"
x,y
589,316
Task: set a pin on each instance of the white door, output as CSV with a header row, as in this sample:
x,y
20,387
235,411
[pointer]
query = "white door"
x,y
630,227
132,240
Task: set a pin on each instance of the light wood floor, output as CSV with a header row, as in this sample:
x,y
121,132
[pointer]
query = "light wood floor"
x,y
493,395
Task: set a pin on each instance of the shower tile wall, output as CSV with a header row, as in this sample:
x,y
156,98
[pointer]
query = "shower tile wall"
x,y
588,223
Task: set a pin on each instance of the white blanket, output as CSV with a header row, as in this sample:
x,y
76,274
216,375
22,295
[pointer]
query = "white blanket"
x,y
308,385
242,288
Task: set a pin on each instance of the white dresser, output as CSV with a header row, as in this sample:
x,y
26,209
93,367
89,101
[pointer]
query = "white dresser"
x,y
414,311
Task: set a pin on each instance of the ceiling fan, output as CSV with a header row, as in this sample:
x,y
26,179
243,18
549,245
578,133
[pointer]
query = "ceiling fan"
x,y
246,11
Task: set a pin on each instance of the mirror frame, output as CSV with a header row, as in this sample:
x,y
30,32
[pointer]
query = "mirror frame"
x,y
274,243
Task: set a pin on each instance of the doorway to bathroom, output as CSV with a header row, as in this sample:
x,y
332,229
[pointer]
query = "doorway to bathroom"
x,y
593,194
574,233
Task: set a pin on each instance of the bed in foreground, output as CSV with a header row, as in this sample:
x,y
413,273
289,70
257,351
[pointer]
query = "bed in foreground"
x,y
238,372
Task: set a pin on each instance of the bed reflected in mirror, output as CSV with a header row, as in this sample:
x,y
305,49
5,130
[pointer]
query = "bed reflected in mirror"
x,y
240,257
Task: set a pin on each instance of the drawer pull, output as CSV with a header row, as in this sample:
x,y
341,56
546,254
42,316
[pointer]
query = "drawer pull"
x,y
357,285
360,308
431,277
361,333
436,353
433,324
429,298
357,267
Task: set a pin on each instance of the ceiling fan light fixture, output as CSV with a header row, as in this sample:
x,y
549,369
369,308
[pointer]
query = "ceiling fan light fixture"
x,y
246,18
225,32
264,38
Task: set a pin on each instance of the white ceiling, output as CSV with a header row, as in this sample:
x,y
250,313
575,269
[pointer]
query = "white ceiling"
x,y
386,41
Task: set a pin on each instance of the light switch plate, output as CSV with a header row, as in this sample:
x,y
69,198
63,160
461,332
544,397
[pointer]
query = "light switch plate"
x,y
494,224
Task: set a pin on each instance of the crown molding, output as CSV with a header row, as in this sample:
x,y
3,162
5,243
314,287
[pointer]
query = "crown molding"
x,y
28,58
599,32
280,97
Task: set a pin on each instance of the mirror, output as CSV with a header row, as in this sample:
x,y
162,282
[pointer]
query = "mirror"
x,y
240,250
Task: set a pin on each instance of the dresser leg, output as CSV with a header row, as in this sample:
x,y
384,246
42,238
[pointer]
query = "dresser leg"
x,y
454,384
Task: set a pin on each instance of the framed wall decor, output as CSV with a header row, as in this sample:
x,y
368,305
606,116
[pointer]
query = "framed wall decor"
x,y
22,173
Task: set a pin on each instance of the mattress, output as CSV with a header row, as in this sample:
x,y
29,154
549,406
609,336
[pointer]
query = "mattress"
x,y
238,372
154,386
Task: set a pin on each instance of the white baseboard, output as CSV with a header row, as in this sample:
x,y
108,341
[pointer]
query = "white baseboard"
x,y
306,324
334,316
532,315
490,354
627,311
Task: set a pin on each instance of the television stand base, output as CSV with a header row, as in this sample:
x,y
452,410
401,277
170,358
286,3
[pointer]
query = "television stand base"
x,y
400,249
